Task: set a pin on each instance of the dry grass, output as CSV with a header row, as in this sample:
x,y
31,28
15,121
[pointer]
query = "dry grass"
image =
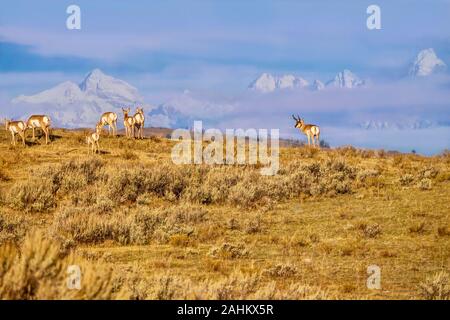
x,y
161,231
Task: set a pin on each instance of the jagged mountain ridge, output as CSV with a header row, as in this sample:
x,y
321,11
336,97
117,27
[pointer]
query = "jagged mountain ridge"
x,y
267,82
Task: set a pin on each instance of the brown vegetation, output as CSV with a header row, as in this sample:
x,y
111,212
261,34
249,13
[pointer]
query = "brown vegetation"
x,y
141,227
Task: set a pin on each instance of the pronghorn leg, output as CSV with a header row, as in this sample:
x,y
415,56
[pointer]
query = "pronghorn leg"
x,y
318,141
22,135
309,141
34,137
98,147
13,140
46,134
109,130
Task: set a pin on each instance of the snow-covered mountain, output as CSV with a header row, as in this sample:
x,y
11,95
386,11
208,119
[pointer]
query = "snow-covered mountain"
x,y
318,85
345,79
290,81
78,105
268,83
426,63
398,125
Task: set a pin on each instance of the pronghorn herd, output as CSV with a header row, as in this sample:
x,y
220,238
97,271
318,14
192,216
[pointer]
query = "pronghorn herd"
x,y
131,123
33,122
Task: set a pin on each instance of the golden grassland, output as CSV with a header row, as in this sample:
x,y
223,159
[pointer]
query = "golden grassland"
x,y
141,227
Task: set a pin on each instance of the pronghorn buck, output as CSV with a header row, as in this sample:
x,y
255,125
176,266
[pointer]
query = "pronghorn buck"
x,y
109,119
128,122
93,138
16,127
310,130
139,120
39,121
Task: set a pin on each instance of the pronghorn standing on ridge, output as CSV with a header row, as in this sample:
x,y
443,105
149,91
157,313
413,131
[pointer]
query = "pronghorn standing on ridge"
x,y
40,121
16,127
92,139
128,123
310,130
109,119
139,120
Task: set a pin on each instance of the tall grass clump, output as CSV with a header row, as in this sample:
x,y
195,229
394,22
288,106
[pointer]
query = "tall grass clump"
x,y
37,270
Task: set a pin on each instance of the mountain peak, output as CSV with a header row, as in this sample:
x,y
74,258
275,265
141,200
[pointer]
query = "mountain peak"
x,y
268,83
99,84
92,79
318,85
426,63
72,105
264,83
346,79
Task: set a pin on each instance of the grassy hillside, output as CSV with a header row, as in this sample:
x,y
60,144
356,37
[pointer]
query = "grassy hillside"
x,y
141,227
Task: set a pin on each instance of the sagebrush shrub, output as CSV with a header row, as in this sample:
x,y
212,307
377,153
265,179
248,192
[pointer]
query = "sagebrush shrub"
x,y
37,270
35,194
436,287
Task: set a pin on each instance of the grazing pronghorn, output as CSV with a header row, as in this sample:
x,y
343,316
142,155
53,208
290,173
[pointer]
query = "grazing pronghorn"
x,y
40,121
128,122
92,139
139,120
310,130
109,119
16,127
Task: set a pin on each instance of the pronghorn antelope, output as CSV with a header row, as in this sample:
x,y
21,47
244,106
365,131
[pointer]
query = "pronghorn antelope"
x,y
92,139
109,119
128,122
139,120
16,127
310,130
40,121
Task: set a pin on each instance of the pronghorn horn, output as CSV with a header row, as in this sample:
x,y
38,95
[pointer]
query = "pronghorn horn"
x,y
299,117
294,118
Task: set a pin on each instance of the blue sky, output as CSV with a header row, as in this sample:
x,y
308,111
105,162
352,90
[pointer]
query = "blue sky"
x,y
219,47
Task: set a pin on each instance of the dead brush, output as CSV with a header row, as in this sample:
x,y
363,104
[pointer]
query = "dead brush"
x,y
12,228
418,228
370,231
229,251
406,179
425,184
436,287
428,173
253,225
281,270
34,195
37,270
